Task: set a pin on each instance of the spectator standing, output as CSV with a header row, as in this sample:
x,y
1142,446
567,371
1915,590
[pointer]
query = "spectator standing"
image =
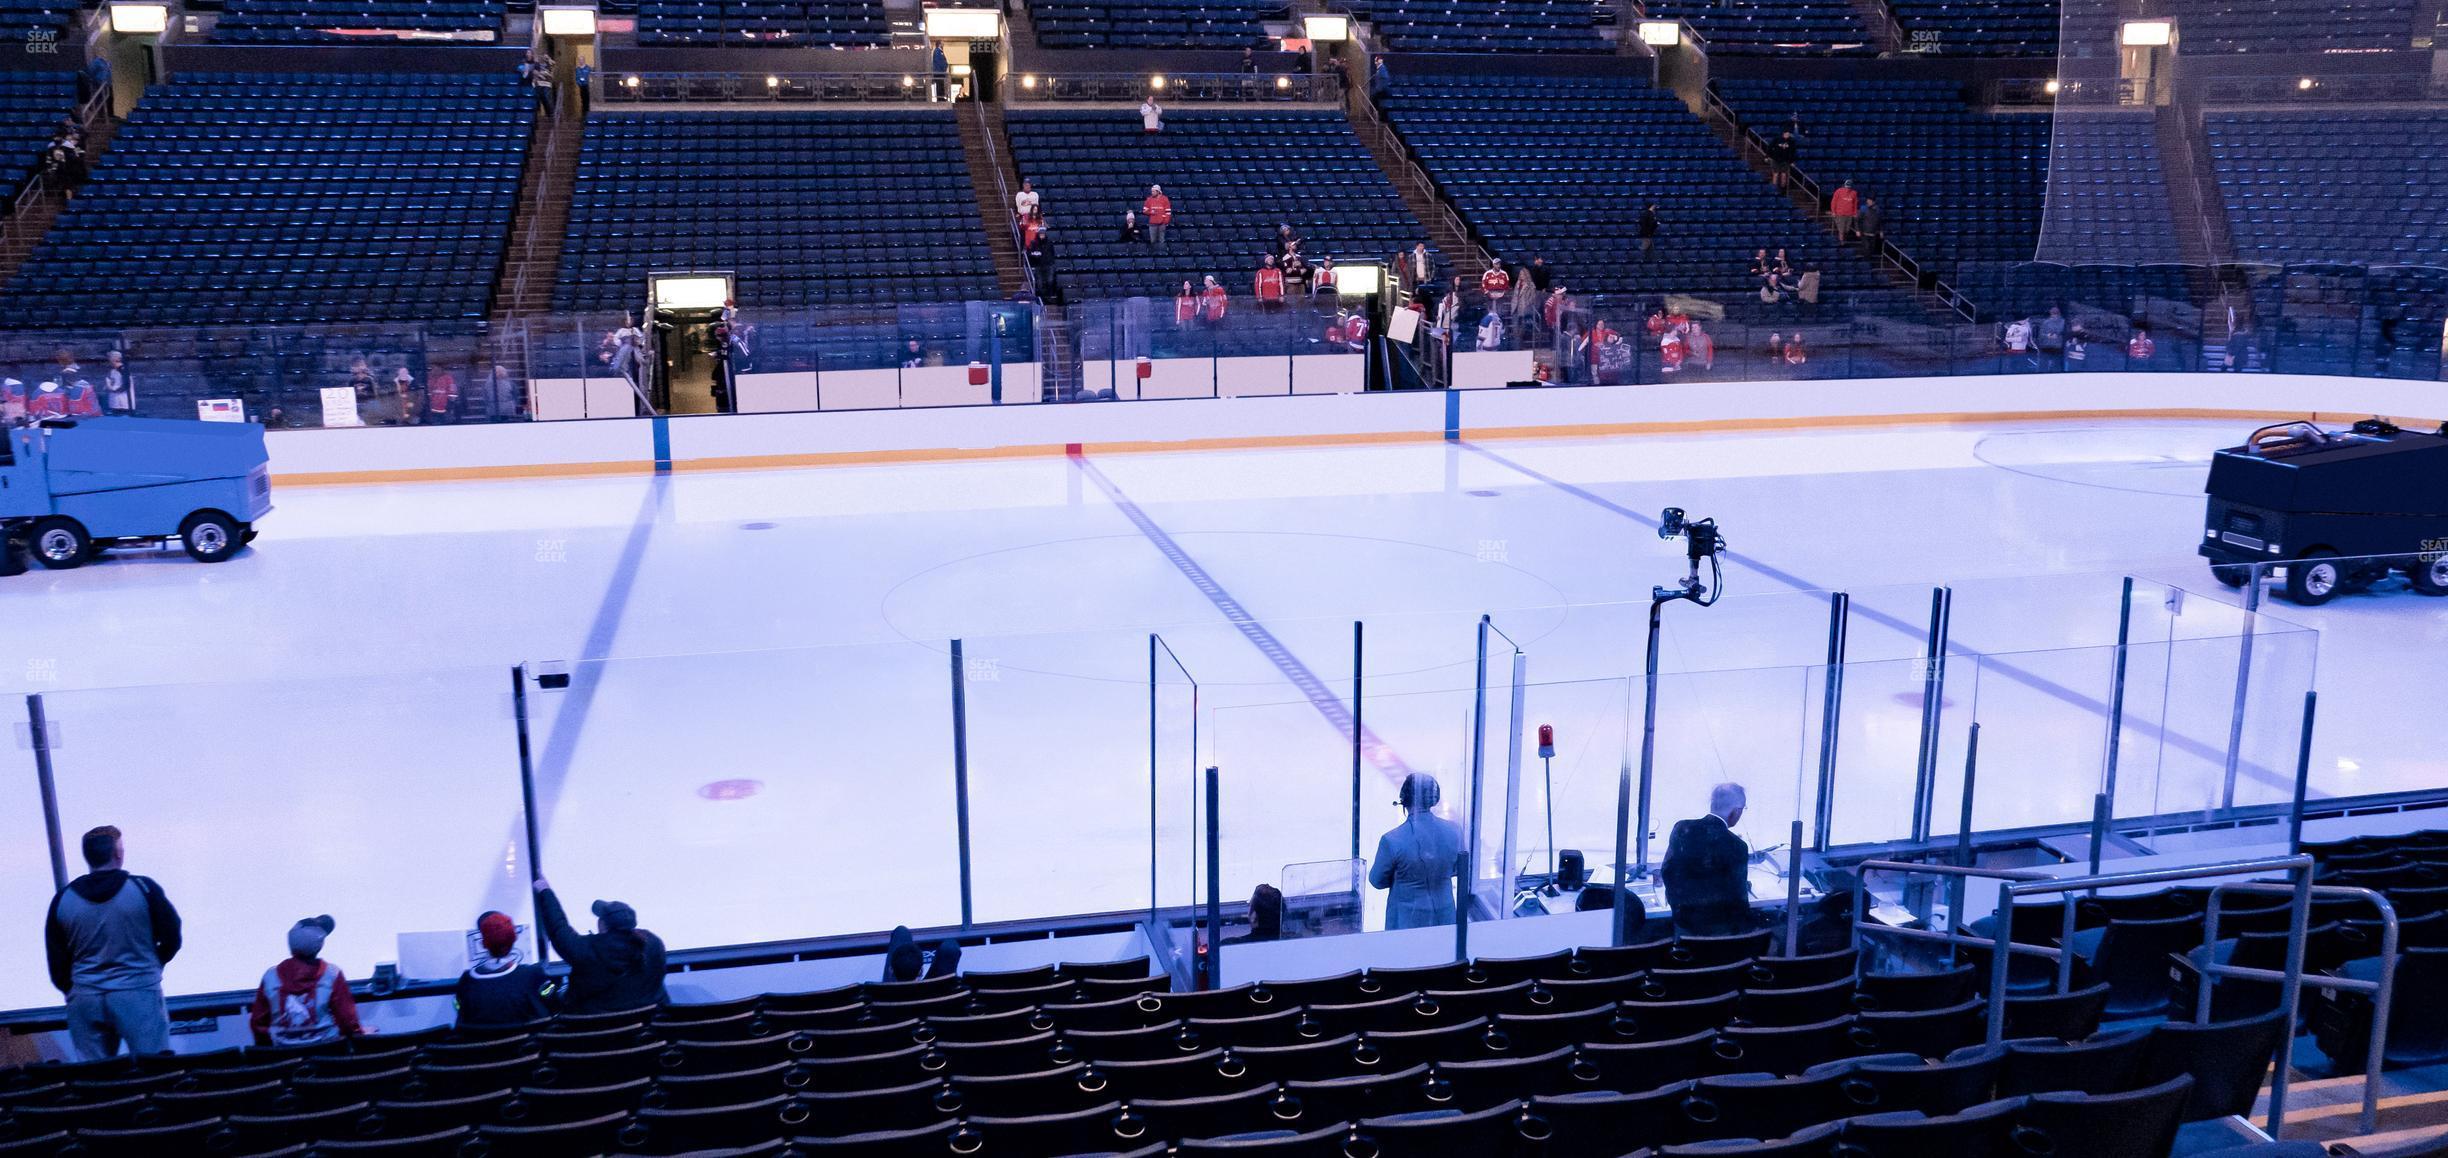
x,y
1322,280
1542,275
1380,80
1421,270
82,400
1782,153
1151,116
1703,347
617,967
1024,202
1844,211
1525,302
541,76
1873,220
939,72
304,1000
1212,299
442,398
2017,339
1495,282
1417,859
1492,330
1449,308
584,77
1185,305
2139,348
1284,242
402,404
118,393
107,937
1269,285
500,989
1613,359
1249,62
1159,210
1648,227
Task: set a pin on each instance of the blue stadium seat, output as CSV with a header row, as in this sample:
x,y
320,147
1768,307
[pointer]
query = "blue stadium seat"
x,y
238,199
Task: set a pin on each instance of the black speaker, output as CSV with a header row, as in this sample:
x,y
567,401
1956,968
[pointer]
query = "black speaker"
x,y
1571,871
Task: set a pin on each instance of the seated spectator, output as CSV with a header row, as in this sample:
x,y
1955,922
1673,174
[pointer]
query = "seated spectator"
x,y
1703,347
1269,285
304,1000
1266,906
1671,351
1356,331
617,967
2139,348
1284,242
1131,232
1760,267
905,961
1025,202
1795,354
499,989
1322,280
913,354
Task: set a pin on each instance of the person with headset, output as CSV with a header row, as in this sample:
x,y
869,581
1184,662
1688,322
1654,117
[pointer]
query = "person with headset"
x,y
1417,859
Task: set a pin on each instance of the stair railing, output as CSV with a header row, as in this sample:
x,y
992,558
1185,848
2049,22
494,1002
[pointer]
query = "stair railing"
x,y
1003,200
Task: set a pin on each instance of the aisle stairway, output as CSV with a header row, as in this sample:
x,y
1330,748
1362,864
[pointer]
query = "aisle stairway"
x,y
525,285
992,177
26,229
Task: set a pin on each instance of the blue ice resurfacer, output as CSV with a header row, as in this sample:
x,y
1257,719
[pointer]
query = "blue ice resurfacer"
x,y
69,488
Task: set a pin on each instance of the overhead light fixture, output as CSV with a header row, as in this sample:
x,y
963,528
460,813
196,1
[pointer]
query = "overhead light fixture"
x,y
574,22
631,81
2051,87
1029,81
1157,82
1661,33
1324,28
773,82
964,23
2147,33
139,19
2303,84
1283,82
907,81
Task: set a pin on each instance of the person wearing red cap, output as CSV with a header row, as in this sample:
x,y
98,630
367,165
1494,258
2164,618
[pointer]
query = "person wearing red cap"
x,y
499,990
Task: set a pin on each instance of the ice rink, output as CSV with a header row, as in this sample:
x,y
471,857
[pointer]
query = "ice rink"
x,y
756,740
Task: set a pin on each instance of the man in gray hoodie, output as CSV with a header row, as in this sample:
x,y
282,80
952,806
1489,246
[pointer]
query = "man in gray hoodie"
x,y
108,936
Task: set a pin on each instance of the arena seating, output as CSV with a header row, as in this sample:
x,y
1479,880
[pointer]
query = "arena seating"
x,y
779,23
1757,27
1972,28
805,208
346,21
31,105
237,199
1233,177
1957,185
2357,184
1561,167
19,19
2107,194
2210,27
1588,1053
1484,25
1151,23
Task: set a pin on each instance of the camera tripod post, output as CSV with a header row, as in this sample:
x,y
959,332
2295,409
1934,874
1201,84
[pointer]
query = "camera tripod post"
x,y
1702,541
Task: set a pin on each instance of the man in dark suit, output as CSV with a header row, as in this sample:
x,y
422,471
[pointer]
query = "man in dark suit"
x,y
1706,868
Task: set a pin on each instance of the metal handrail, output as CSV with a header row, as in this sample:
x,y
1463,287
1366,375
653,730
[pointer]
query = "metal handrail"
x,y
762,87
2298,866
1748,141
1003,201
2382,990
535,201
1364,102
1195,87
